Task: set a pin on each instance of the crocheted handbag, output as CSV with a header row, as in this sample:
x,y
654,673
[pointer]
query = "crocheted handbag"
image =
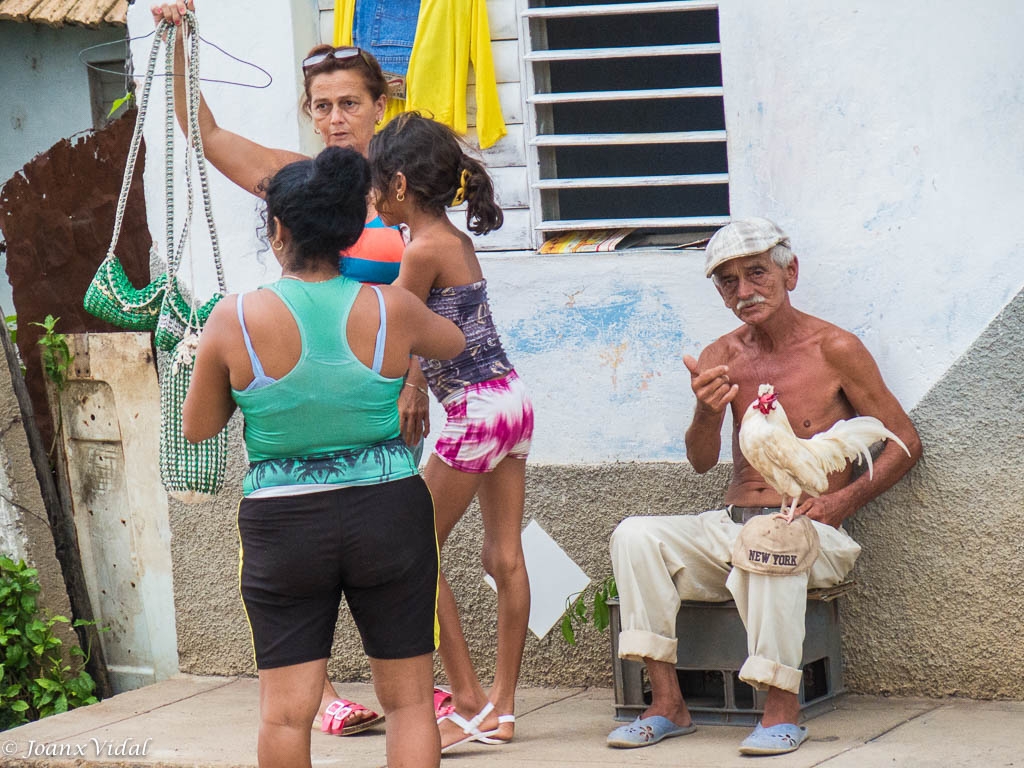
x,y
189,472
111,295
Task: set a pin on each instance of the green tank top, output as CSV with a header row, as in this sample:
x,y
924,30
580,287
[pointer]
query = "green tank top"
x,y
329,406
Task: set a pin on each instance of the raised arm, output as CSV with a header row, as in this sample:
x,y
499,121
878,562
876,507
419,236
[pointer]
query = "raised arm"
x,y
862,384
241,160
710,383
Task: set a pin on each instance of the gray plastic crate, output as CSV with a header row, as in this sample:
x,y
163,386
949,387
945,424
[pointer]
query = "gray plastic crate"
x,y
713,647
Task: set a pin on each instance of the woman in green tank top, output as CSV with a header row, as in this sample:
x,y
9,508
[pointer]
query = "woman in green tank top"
x,y
345,94
315,363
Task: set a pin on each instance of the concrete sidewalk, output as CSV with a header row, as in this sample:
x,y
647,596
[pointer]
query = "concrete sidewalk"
x,y
211,722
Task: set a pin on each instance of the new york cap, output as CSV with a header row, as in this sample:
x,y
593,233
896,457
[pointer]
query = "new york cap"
x,y
742,237
769,544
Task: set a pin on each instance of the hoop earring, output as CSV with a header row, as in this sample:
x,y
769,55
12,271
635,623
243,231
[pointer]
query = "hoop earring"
x,y
278,244
316,131
400,197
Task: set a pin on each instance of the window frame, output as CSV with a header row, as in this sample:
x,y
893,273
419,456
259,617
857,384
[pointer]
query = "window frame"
x,y
544,182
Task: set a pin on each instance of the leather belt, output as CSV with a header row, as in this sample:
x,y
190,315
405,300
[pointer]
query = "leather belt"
x,y
743,514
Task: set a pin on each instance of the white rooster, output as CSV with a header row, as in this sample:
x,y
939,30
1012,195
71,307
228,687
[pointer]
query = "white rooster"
x,y
793,465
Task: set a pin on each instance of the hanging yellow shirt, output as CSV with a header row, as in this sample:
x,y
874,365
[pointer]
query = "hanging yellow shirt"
x,y
450,35
344,15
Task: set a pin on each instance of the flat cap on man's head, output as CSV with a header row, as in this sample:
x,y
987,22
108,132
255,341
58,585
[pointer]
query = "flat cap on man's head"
x,y
742,237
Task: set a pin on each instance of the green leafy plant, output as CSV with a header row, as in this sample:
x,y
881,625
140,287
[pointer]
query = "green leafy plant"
x,y
127,99
56,354
588,607
35,682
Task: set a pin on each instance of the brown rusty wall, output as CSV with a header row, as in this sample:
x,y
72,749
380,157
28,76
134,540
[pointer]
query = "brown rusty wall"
x,y
57,216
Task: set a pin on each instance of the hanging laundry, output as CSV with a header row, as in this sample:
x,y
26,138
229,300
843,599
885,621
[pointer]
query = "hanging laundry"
x,y
450,35
387,29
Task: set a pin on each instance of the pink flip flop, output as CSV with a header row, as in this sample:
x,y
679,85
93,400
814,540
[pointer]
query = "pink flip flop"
x,y
442,703
335,718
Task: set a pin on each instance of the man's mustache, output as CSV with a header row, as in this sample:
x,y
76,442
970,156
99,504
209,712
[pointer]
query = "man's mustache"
x,y
744,303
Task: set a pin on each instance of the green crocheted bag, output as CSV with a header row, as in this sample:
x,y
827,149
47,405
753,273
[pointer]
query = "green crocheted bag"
x,y
177,315
111,295
190,472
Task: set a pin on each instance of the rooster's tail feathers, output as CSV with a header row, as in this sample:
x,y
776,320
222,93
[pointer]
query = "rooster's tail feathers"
x,y
851,439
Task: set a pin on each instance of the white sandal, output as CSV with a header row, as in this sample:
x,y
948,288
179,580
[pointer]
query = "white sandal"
x,y
471,728
502,719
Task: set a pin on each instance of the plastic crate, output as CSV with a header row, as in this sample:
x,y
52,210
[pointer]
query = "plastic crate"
x,y
712,648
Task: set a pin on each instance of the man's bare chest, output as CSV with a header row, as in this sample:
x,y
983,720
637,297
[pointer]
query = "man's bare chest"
x,y
807,388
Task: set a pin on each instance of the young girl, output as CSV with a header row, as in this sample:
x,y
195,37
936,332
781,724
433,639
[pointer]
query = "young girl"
x,y
419,170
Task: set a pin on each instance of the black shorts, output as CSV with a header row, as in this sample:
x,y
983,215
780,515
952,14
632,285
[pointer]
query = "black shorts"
x,y
375,543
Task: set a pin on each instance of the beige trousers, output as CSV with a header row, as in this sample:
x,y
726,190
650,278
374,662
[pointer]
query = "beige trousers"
x,y
659,561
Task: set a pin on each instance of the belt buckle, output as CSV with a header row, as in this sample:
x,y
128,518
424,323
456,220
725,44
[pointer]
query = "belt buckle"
x,y
742,515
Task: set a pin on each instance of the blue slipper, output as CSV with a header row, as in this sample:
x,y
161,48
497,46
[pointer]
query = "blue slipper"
x,y
643,732
775,740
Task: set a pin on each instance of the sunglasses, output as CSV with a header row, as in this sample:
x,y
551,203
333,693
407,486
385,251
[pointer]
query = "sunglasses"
x,y
345,52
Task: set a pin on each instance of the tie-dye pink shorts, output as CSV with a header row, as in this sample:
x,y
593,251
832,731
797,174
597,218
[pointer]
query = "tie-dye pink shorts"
x,y
485,423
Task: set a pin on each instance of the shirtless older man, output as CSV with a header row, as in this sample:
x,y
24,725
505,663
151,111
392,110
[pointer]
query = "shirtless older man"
x,y
825,374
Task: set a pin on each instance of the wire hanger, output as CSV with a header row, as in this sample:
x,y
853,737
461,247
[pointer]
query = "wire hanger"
x,y
92,66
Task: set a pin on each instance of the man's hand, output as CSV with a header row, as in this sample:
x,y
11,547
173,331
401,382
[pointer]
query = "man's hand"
x,y
712,387
828,509
714,393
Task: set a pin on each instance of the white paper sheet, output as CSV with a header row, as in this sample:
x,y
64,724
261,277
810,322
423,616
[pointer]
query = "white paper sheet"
x,y
554,576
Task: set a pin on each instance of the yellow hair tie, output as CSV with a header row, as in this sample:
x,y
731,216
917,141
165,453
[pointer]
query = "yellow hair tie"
x,y
460,193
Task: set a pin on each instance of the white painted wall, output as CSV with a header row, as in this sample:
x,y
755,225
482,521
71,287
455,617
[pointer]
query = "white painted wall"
x,y
275,38
600,341
886,140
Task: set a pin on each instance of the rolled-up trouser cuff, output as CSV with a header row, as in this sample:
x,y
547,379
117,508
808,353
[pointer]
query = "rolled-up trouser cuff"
x,y
637,645
764,673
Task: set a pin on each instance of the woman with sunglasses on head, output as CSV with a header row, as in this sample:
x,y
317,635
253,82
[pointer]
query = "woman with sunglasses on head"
x,y
345,93
330,480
